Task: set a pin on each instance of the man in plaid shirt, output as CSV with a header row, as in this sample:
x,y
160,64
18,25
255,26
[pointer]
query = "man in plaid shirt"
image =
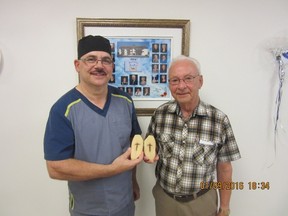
x,y
195,144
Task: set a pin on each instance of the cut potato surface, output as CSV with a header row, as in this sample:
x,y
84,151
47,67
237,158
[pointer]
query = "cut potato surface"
x,y
136,146
150,147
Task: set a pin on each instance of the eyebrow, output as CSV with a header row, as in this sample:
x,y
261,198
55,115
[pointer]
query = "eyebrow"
x,y
98,56
189,75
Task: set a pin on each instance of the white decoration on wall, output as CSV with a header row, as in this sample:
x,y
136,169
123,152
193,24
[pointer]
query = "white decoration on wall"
x,y
281,57
278,47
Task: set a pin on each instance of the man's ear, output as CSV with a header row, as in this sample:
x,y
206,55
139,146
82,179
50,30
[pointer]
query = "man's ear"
x,y
200,81
76,65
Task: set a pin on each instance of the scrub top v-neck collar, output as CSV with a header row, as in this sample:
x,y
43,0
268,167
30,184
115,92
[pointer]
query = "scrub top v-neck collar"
x,y
103,111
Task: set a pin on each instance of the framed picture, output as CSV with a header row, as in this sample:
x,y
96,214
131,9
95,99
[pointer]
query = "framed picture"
x,y
142,50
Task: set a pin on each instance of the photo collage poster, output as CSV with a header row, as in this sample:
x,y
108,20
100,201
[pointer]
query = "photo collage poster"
x,y
141,67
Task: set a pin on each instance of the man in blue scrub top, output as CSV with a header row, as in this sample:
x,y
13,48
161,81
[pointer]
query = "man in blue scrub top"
x,y
88,134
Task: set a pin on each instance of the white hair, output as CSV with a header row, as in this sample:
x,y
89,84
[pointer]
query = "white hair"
x,y
186,58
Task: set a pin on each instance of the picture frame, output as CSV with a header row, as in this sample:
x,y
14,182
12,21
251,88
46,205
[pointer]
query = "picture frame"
x,y
135,33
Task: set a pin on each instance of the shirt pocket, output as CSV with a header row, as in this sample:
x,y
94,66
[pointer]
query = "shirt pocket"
x,y
204,154
165,144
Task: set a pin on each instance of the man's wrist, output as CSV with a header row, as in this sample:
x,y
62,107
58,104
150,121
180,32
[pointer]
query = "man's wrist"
x,y
225,212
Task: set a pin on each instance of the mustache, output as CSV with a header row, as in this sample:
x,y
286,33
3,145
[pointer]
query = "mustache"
x,y
99,71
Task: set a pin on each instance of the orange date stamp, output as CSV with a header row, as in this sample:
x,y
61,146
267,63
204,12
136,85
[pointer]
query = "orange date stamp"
x,y
222,185
251,185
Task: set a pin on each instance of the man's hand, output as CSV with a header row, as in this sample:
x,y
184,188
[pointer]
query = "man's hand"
x,y
147,160
136,190
124,163
223,212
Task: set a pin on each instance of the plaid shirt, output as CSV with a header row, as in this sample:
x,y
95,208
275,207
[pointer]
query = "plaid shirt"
x,y
189,150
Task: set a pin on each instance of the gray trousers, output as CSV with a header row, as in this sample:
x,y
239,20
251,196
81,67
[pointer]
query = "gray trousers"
x,y
205,205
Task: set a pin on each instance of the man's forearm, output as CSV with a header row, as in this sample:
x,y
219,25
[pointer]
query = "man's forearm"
x,y
76,170
224,175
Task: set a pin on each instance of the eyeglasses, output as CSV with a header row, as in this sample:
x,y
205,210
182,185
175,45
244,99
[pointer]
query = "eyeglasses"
x,y
186,80
91,60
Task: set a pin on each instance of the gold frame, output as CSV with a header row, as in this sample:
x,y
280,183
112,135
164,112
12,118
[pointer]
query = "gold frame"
x,y
183,25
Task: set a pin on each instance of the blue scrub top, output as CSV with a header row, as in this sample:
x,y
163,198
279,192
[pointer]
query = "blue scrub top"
x,y
76,128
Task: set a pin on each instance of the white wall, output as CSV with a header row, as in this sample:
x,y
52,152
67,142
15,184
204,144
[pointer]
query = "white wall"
x,y
230,39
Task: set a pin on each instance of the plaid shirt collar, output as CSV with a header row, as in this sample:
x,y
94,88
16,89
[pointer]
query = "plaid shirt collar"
x,y
200,110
